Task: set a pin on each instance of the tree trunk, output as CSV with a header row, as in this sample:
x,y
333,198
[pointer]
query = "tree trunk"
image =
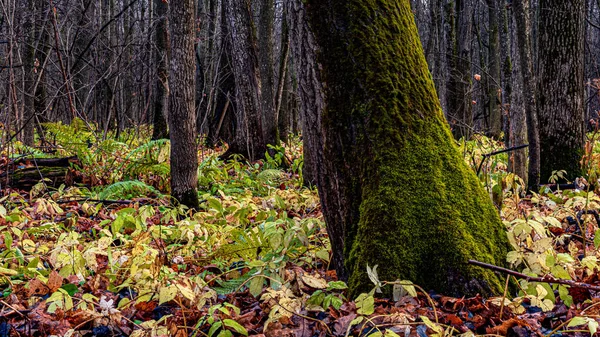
x,y
161,93
385,138
310,90
460,112
29,27
493,78
265,55
561,86
517,162
249,140
523,28
182,113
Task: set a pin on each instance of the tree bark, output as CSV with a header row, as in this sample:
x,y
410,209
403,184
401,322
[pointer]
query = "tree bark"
x,y
310,90
161,86
182,113
249,140
265,55
460,112
523,28
384,138
560,86
517,135
493,78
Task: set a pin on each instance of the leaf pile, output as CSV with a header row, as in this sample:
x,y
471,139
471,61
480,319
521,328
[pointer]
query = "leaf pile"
x,y
254,261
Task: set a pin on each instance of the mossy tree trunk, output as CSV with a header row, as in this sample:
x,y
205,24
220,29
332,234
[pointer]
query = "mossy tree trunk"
x,y
397,194
561,86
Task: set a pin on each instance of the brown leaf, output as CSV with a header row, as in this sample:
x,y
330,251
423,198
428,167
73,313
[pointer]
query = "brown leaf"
x,y
503,328
37,288
341,324
55,281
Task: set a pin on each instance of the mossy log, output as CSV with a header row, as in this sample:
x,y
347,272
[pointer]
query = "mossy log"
x,y
26,173
396,193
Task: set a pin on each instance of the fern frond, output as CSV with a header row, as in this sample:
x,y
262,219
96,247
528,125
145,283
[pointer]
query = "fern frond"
x,y
127,190
270,176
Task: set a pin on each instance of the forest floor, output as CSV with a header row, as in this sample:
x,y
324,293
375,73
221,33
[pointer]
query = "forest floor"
x,y
116,260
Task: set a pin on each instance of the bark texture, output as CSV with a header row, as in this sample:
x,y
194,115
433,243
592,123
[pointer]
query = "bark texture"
x,y
310,90
249,141
385,138
460,112
561,86
517,135
161,86
523,34
182,114
265,49
493,78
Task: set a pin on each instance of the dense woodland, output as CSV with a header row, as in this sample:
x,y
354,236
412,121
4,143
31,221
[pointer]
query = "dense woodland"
x,y
299,167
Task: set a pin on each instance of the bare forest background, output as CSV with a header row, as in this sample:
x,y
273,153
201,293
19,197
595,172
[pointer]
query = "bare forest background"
x,y
106,62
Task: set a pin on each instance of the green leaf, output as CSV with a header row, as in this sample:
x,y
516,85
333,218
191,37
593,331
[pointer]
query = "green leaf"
x,y
235,326
213,328
255,286
338,285
365,304
70,288
597,238
578,320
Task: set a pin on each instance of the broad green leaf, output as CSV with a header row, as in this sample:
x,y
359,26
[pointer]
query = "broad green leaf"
x,y
365,304
338,285
235,326
255,285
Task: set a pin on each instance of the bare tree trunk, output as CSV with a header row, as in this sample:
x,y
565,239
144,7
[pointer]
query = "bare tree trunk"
x,y
493,78
161,86
517,162
561,86
29,27
265,55
310,90
523,27
249,141
182,113
460,114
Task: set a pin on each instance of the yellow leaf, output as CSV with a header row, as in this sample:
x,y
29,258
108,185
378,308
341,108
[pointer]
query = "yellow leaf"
x,y
314,281
167,294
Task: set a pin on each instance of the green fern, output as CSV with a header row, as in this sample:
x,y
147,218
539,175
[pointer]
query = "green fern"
x,y
149,157
128,190
270,176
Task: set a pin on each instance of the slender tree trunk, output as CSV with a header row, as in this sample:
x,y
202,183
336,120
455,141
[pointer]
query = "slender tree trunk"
x,y
161,86
385,137
310,90
561,86
493,80
29,27
249,141
182,113
460,112
523,28
265,55
517,113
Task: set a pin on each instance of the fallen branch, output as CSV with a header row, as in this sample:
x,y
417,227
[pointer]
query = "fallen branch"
x,y
546,279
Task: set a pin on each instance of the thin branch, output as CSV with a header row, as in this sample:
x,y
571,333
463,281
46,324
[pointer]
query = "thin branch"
x,y
546,279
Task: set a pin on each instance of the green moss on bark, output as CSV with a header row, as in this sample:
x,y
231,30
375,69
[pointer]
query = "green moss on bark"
x,y
423,213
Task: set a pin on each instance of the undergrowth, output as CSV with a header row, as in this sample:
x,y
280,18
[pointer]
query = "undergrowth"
x,y
256,257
